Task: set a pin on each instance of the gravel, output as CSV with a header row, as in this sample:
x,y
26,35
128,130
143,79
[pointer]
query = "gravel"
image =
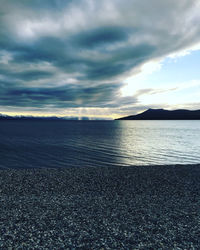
x,y
136,207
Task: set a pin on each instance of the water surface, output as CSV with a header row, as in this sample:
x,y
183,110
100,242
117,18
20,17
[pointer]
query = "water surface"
x,y
98,143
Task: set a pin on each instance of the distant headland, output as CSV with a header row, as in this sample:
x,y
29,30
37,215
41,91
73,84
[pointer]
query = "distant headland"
x,y
162,114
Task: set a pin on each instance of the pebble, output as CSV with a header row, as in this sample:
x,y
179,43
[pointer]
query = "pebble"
x,y
136,207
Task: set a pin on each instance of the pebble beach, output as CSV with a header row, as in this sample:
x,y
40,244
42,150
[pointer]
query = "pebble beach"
x,y
136,207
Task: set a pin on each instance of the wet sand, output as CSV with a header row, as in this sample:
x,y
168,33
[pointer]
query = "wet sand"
x,y
137,207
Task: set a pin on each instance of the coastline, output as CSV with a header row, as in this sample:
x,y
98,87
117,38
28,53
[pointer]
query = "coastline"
x,y
140,207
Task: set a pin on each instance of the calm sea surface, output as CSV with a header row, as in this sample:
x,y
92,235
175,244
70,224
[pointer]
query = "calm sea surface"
x,y
98,143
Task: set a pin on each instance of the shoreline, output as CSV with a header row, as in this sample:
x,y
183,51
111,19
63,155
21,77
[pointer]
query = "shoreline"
x,y
140,207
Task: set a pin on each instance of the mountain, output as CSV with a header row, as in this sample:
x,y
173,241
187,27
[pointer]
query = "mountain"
x,y
45,118
162,114
7,117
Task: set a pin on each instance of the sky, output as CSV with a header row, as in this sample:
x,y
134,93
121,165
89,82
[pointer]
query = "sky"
x,y
98,59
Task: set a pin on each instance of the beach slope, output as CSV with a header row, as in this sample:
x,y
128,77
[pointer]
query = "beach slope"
x,y
140,207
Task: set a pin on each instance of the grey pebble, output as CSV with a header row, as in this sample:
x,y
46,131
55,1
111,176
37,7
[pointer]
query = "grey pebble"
x,y
136,207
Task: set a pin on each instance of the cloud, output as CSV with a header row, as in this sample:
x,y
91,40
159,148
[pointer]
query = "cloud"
x,y
67,96
100,37
151,91
73,54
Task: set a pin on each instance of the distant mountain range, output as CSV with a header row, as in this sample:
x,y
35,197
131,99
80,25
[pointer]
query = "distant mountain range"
x,y
38,118
43,118
162,114
150,114
7,117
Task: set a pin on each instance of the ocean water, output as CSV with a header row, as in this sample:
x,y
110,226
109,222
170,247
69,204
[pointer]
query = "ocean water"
x,y
26,144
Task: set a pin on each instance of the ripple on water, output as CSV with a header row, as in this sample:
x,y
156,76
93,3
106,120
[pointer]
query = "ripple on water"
x,y
93,143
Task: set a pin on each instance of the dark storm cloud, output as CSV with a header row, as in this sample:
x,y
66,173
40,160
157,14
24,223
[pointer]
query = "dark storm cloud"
x,y
100,37
27,75
33,75
119,62
61,97
75,53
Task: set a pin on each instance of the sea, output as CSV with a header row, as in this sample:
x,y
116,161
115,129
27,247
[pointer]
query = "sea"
x,y
55,144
